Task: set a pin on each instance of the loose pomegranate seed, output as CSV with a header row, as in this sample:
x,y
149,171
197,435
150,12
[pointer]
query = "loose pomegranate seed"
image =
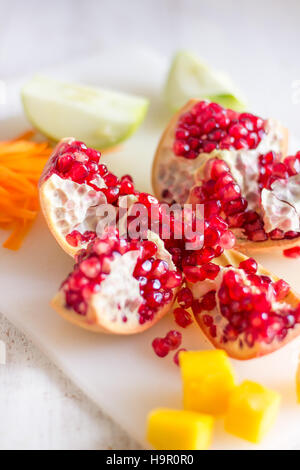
x,y
176,356
173,339
182,317
185,297
293,252
161,347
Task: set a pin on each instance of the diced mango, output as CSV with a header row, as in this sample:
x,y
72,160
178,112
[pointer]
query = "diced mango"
x,y
298,382
179,430
252,411
208,379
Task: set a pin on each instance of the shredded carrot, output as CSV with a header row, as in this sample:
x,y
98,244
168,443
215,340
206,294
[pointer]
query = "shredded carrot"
x,y
21,163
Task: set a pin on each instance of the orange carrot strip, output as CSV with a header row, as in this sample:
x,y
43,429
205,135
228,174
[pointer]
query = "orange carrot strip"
x,y
16,238
13,179
15,211
33,165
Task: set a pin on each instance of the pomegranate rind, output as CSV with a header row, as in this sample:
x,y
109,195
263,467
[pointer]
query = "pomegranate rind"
x,y
232,348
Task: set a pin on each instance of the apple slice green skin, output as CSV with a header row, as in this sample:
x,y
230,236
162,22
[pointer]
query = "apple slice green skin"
x,y
101,118
191,78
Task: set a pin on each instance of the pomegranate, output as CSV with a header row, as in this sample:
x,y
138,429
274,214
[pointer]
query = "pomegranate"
x,y
116,287
202,130
246,311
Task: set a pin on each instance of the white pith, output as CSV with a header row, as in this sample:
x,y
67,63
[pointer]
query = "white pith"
x,y
72,206
119,294
278,214
177,174
281,205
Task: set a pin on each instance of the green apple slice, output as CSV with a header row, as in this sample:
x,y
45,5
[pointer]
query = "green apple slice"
x,y
101,118
191,78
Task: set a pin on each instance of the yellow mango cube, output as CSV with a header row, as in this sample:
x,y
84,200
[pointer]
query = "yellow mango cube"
x,y
252,411
208,379
179,430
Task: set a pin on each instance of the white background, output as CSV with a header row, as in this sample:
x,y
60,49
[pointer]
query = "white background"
x,y
255,42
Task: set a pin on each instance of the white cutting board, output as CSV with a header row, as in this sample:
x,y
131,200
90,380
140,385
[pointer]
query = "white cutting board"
x,y
122,375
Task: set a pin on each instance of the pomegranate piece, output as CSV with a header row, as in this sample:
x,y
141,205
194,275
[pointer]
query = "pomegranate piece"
x,y
114,288
248,314
293,252
182,317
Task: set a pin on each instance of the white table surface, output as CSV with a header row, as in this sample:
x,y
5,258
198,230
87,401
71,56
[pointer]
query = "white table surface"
x,y
256,42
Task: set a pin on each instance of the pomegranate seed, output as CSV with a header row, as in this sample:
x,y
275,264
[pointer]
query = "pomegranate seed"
x,y
182,317
111,180
155,299
90,267
78,172
161,347
148,249
227,240
112,194
281,289
74,238
211,236
293,252
64,163
276,234
159,268
249,265
208,301
173,339
171,279
126,187
185,297
193,273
